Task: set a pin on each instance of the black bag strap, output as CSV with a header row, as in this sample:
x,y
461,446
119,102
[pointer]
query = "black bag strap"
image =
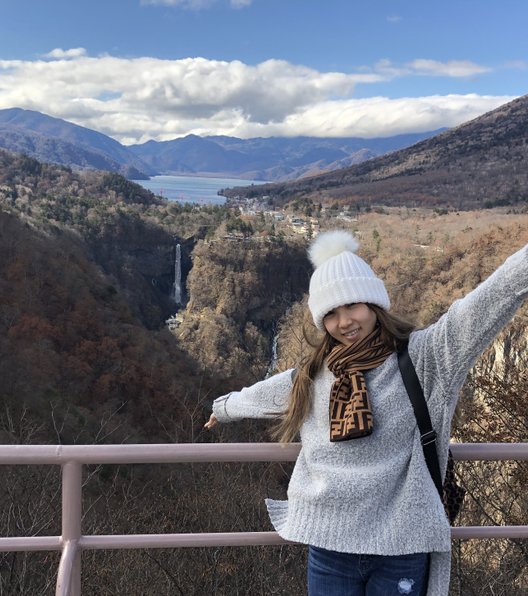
x,y
428,434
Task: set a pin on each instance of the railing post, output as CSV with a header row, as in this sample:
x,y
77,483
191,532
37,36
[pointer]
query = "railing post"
x,y
69,576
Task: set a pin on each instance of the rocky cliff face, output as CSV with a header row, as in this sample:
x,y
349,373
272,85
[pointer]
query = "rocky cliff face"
x,y
238,291
140,257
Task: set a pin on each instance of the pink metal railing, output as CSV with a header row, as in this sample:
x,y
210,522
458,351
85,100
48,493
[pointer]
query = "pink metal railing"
x,y
72,457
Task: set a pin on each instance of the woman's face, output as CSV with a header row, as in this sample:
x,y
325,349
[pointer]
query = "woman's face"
x,y
350,323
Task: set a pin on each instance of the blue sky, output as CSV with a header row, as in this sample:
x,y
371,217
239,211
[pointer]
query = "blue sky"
x,y
159,69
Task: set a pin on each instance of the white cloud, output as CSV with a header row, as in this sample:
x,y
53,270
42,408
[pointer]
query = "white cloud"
x,y
453,68
60,54
196,4
387,70
394,19
381,116
134,100
191,4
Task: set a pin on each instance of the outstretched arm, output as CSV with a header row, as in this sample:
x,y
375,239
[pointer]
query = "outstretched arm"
x,y
266,399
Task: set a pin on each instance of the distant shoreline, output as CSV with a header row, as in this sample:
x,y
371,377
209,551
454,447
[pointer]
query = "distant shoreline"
x,y
219,175
193,188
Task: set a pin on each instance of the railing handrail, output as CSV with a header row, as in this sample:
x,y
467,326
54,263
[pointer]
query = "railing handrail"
x,y
72,457
211,452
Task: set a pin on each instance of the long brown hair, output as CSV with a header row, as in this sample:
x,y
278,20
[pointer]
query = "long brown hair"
x,y
395,331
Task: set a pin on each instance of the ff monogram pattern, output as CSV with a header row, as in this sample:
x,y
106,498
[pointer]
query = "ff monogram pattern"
x,y
349,411
350,414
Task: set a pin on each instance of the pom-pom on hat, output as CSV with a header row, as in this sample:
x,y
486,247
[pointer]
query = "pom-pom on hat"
x,y
340,276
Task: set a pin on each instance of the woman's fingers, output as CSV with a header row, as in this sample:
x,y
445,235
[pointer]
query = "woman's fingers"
x,y
213,421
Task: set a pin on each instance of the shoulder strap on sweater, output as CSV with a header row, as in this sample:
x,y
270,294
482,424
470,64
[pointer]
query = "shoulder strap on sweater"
x,y
428,434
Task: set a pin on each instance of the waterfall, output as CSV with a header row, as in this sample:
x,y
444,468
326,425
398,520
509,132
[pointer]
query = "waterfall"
x,y
177,276
274,355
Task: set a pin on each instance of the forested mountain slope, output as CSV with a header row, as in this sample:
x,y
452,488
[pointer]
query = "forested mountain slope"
x,y
53,140
478,164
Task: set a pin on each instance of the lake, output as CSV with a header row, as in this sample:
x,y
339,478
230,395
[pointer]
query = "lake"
x,y
192,189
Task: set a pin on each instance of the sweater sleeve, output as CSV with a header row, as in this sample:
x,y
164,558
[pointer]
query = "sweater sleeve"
x,y
266,399
471,323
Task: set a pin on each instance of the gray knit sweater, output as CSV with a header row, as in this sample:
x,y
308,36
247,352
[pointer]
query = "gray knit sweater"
x,y
374,494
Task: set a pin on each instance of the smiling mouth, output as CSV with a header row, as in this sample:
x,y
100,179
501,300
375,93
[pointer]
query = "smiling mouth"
x,y
351,334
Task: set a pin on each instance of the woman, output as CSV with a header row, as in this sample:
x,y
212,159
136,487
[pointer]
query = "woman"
x,y
361,495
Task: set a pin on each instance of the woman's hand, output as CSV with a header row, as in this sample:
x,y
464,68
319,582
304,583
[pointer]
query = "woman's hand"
x,y
212,422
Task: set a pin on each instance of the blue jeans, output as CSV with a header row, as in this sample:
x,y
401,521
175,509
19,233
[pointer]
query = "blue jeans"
x,y
342,574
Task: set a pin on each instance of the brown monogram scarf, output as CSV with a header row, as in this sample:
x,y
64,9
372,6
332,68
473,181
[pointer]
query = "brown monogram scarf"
x,y
350,413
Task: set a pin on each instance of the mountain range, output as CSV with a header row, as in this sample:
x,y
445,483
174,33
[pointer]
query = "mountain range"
x,y
274,158
478,164
53,140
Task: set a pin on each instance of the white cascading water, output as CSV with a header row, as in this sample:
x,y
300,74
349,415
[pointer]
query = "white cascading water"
x,y
274,355
177,276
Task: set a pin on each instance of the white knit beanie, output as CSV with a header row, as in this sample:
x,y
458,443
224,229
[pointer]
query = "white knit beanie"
x,y
340,276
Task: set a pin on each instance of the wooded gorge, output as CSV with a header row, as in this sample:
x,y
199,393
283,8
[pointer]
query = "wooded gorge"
x,y
85,357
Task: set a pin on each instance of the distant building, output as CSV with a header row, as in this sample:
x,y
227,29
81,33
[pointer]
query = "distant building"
x,y
345,216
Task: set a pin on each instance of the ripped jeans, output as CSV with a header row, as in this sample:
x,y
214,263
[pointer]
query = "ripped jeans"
x,y
342,574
